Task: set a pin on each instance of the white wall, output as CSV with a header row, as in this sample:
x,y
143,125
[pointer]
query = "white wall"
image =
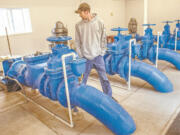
x,y
158,11
111,11
162,10
44,14
135,9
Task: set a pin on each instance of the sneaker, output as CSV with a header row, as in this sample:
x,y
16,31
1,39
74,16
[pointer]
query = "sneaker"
x,y
115,99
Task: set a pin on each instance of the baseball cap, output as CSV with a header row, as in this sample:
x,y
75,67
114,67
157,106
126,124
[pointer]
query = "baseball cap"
x,y
83,7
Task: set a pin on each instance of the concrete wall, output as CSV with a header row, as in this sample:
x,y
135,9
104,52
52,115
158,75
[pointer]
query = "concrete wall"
x,y
44,14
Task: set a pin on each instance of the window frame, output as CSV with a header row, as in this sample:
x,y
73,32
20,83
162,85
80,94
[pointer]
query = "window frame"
x,y
11,28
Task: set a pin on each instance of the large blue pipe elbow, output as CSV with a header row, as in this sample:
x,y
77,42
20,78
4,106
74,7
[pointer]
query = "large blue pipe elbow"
x,y
51,84
151,75
165,54
139,69
105,109
170,56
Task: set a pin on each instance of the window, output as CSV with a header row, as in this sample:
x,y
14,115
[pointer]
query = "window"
x,y
16,20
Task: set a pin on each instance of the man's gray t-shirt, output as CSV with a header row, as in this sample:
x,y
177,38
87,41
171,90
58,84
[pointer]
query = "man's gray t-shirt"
x,y
90,38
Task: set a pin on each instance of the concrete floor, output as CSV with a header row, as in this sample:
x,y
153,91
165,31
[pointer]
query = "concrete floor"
x,y
152,111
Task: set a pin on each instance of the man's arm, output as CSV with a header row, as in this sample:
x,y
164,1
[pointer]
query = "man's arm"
x,y
78,41
103,40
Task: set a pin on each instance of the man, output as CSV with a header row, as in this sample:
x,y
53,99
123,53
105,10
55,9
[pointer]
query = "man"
x,y
90,40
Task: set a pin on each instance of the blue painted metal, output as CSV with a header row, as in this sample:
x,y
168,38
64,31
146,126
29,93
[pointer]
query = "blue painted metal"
x,y
58,39
44,72
138,37
147,49
7,64
148,24
105,110
170,56
116,62
178,23
119,35
164,38
167,39
151,75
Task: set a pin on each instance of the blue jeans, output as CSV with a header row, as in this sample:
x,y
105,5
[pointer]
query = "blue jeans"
x,y
98,64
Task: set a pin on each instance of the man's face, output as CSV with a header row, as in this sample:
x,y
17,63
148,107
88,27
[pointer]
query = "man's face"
x,y
84,15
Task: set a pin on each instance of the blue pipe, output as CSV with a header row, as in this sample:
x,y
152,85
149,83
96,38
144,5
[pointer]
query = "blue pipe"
x,y
116,60
102,107
148,49
170,56
151,75
165,54
50,83
171,44
116,64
